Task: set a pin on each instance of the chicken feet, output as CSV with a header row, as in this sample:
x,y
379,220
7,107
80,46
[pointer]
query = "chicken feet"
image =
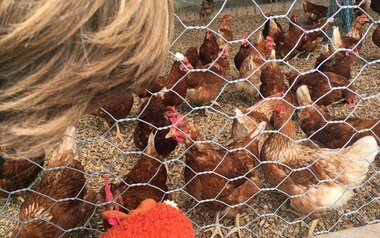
x,y
119,135
236,229
313,225
307,57
216,103
217,229
208,112
105,124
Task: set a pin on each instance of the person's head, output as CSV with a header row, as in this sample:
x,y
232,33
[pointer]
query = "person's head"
x,y
58,58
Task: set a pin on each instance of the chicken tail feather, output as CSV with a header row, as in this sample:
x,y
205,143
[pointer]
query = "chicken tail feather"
x,y
151,149
67,150
69,142
361,154
303,96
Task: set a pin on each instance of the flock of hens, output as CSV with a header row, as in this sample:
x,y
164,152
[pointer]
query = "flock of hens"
x,y
317,176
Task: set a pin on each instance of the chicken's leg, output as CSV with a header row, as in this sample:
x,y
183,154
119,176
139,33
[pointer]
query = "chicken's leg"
x,y
236,228
216,103
105,124
20,199
313,225
118,133
308,56
216,230
297,55
209,112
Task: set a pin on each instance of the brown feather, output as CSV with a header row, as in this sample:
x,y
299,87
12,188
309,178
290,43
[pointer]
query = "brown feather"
x,y
301,171
222,185
151,173
18,174
118,106
175,81
320,89
152,112
44,202
315,123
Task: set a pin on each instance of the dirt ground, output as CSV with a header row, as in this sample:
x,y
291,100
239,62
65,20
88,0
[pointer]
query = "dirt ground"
x,y
271,216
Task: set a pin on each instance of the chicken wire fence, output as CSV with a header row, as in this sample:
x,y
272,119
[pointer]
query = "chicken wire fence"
x,y
279,189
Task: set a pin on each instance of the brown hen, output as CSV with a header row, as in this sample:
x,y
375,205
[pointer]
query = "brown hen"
x,y
152,116
315,179
320,90
147,179
287,42
203,87
339,63
244,50
376,36
112,108
353,37
233,181
310,41
272,79
207,8
225,30
61,200
316,123
175,81
251,68
248,119
209,48
18,174
272,28
314,12
192,55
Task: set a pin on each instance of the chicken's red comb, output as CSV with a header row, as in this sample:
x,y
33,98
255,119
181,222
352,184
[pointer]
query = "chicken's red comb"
x,y
269,38
173,110
244,37
176,120
280,109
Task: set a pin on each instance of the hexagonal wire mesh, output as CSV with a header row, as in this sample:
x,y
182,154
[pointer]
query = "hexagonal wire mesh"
x,y
288,159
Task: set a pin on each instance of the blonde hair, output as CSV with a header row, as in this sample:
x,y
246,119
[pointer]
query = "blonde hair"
x,y
57,57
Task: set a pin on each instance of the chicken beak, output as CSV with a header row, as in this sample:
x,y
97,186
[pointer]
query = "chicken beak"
x,y
143,100
161,93
170,134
